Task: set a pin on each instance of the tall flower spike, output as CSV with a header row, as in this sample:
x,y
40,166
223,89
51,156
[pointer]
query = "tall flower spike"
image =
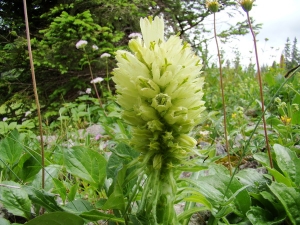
x,y
159,88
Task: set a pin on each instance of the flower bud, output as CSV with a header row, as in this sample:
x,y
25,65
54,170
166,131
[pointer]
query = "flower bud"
x,y
212,5
246,4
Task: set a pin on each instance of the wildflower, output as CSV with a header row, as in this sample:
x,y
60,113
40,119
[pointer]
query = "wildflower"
x,y
97,80
81,44
277,100
233,115
160,90
27,113
135,35
212,5
246,4
98,136
4,119
285,119
95,47
88,91
105,55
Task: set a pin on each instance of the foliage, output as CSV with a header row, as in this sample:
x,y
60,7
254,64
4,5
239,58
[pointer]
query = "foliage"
x,y
291,54
92,177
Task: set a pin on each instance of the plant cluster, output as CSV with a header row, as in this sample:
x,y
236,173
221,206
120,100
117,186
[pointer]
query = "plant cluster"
x,y
166,136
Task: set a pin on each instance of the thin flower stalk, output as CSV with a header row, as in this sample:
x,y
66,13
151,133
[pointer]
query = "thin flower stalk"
x,y
213,6
81,45
94,84
106,55
247,6
36,98
35,95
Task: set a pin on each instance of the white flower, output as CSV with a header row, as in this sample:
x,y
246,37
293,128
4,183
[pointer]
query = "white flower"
x,y
27,113
88,91
135,35
4,119
81,93
160,90
105,55
81,44
97,80
95,47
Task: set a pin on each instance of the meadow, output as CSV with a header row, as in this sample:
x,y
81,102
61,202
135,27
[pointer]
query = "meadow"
x,y
159,138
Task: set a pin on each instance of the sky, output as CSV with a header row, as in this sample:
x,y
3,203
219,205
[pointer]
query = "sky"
x,y
280,19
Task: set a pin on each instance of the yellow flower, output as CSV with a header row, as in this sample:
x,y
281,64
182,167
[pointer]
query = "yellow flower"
x,y
233,115
286,120
212,5
246,4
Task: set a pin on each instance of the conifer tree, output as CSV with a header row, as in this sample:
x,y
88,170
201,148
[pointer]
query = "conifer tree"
x,y
287,53
295,56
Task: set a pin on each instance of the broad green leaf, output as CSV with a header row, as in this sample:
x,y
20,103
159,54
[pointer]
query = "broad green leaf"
x,y
57,218
42,198
79,206
28,166
11,148
215,189
15,200
72,192
3,127
51,172
121,154
95,215
290,199
271,203
4,221
188,213
116,199
280,177
256,181
262,158
288,162
60,189
87,164
296,113
260,216
197,197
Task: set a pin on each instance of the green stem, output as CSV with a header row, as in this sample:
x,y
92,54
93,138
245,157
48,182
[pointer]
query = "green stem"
x,y
92,76
107,77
